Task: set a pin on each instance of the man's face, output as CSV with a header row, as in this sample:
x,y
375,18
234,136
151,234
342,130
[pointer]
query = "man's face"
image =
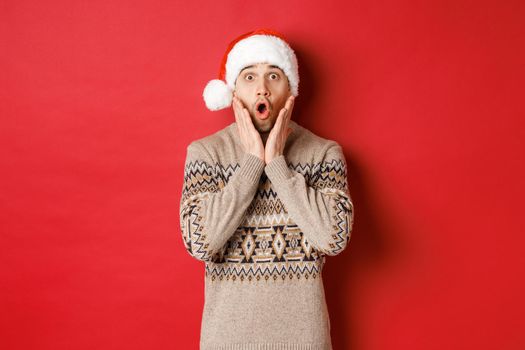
x,y
263,90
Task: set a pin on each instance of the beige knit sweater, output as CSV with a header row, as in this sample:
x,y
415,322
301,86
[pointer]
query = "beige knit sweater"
x,y
263,232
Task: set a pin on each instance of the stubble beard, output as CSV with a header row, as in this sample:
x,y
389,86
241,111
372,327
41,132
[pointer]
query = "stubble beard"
x,y
265,127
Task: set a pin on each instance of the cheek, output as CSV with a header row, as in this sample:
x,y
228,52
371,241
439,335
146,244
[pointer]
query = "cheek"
x,y
244,91
282,90
283,96
240,88
242,95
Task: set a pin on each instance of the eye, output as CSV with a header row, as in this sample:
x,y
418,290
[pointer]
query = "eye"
x,y
274,76
248,77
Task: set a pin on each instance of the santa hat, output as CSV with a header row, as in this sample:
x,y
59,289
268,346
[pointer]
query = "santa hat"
x,y
259,46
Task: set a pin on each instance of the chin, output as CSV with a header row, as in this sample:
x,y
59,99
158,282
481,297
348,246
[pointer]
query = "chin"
x,y
271,124
264,127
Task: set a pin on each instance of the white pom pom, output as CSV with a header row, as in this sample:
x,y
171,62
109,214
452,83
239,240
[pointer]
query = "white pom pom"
x,y
217,95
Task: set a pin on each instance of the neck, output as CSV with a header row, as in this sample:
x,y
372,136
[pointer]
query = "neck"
x,y
264,137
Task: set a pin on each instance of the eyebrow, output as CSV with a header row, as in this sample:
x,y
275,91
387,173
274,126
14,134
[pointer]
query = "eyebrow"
x,y
253,66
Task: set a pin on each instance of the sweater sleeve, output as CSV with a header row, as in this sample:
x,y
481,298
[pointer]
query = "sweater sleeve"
x,y
210,212
322,208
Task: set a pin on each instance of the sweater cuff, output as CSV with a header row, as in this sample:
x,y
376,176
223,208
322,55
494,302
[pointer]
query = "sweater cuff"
x,y
251,167
277,170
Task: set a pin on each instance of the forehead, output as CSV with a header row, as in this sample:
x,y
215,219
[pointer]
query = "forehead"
x,y
263,66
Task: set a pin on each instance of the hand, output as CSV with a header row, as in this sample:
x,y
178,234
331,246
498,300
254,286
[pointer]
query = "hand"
x,y
249,136
279,133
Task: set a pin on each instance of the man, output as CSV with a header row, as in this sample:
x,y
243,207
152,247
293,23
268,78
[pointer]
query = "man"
x,y
264,201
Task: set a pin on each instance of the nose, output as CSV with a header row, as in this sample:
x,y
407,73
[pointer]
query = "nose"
x,y
262,89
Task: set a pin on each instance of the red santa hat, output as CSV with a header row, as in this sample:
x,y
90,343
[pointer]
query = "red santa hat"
x,y
258,46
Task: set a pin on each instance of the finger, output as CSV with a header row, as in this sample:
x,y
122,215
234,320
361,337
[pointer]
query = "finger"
x,y
236,108
284,120
244,113
285,127
247,119
251,125
289,102
289,106
287,109
248,123
239,117
280,117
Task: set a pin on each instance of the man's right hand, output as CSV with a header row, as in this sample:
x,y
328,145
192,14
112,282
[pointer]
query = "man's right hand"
x,y
250,137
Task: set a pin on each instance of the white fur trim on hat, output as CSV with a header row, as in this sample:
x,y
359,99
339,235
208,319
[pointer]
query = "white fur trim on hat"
x,y
217,95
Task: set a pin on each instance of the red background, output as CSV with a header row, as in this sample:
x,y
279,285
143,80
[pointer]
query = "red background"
x,y
99,100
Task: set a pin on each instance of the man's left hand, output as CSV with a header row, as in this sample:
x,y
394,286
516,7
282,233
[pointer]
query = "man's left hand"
x,y
277,138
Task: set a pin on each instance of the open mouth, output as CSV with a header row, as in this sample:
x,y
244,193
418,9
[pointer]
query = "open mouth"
x,y
262,109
